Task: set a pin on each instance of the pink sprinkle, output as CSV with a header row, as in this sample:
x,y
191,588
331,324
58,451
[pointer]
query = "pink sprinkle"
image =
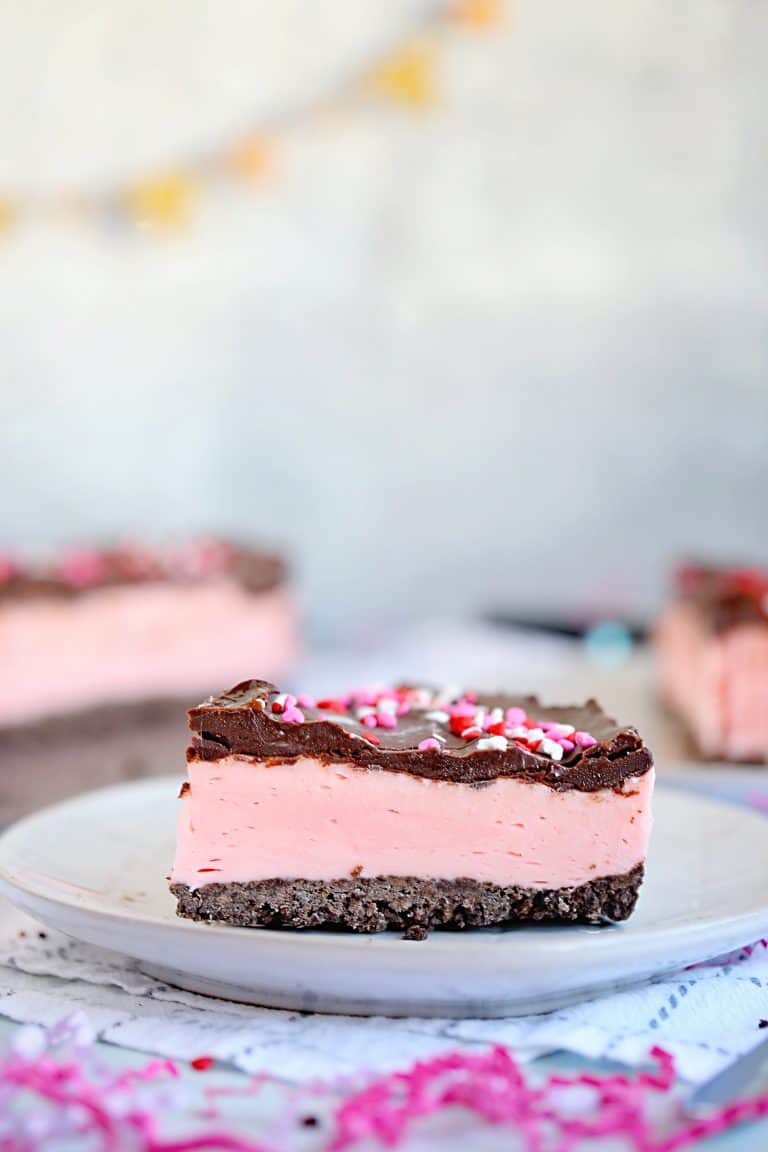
x,y
584,740
557,731
566,744
429,745
386,720
365,697
369,720
304,700
82,569
463,708
7,569
293,715
202,557
516,716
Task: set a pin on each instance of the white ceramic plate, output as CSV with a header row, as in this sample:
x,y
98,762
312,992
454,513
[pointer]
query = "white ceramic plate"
x,y
95,868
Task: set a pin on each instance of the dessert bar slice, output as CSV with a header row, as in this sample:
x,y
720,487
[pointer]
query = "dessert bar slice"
x,y
408,808
712,645
115,628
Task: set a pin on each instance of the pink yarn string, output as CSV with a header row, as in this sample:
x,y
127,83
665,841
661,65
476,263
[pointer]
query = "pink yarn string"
x,y
493,1087
53,1088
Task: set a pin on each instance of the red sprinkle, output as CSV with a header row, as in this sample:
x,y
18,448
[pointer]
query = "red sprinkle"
x,y
499,729
332,705
201,1063
471,733
277,707
371,738
457,724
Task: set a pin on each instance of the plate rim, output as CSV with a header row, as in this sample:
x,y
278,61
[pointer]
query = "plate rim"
x,y
477,940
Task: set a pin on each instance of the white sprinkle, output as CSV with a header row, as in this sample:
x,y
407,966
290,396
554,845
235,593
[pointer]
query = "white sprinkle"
x,y
438,716
387,705
551,748
495,743
496,716
534,734
365,710
520,730
566,729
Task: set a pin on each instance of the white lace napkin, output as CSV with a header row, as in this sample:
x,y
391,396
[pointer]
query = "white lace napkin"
x,y
705,1016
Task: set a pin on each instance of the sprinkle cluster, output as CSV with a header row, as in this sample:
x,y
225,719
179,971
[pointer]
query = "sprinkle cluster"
x,y
89,567
449,710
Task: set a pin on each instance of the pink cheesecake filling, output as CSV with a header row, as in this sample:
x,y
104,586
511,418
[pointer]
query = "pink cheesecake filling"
x,y
244,820
139,641
718,682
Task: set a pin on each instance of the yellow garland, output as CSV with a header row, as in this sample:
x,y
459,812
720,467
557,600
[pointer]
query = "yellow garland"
x,y
252,159
164,200
478,13
406,76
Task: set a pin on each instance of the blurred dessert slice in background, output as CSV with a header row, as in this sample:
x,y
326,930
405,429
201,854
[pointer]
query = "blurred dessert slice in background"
x,y
712,652
112,629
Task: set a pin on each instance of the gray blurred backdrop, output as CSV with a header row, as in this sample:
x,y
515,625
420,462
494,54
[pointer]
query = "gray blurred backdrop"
x,y
510,353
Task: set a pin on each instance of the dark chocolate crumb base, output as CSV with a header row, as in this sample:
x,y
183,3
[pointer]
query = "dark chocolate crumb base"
x,y
409,904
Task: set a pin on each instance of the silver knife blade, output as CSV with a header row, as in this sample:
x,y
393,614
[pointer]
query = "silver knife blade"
x,y
734,1082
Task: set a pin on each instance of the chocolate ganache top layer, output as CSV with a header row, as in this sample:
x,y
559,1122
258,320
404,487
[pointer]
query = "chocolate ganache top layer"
x,y
725,595
441,734
78,572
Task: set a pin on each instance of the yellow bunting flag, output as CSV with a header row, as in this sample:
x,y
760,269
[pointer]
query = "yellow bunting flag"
x,y
253,160
408,77
406,73
164,202
477,13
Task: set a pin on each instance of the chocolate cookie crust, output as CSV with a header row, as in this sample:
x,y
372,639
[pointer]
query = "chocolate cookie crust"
x,y
408,904
242,722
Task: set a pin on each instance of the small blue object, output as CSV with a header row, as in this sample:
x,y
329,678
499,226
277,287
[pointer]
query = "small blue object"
x,y
608,644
